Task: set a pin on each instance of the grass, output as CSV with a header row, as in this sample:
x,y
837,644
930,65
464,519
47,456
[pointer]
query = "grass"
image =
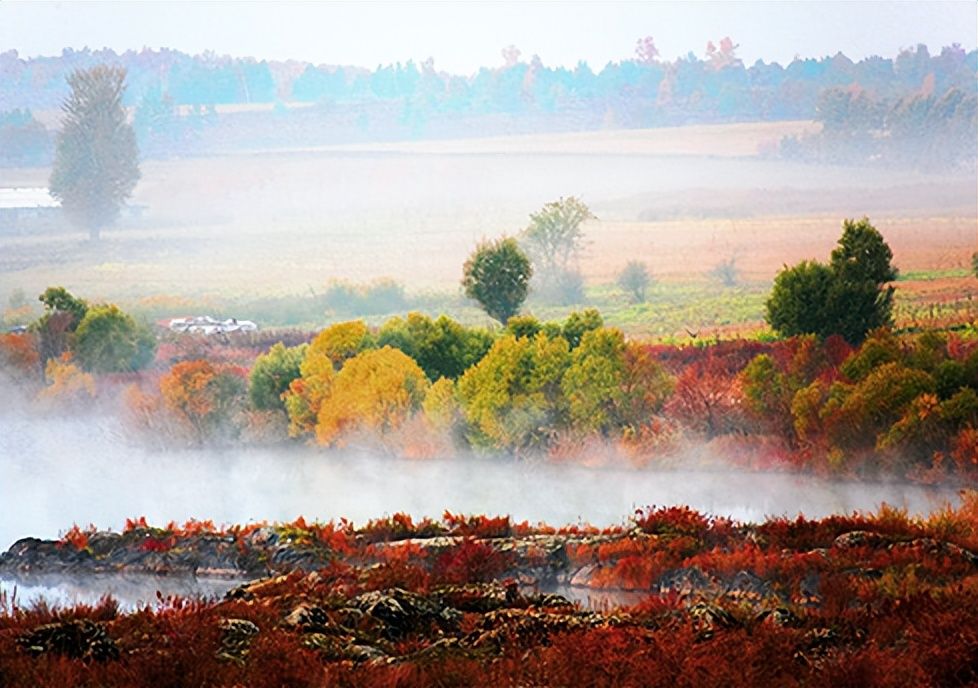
x,y
930,275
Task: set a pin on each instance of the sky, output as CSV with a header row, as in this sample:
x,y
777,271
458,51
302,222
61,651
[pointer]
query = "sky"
x,y
462,36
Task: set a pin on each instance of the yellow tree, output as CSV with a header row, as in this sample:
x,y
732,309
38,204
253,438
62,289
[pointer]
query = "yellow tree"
x,y
512,398
376,391
327,352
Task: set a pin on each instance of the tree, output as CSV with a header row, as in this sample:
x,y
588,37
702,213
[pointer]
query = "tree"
x,y
848,297
203,395
497,275
109,340
553,241
634,280
96,163
579,323
55,329
862,255
272,374
442,347
376,391
553,238
797,304
593,384
512,398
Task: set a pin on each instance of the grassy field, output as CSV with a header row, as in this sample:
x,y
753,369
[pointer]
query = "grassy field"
x,y
256,231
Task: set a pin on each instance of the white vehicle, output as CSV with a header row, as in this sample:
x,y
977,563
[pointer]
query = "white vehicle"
x,y
205,324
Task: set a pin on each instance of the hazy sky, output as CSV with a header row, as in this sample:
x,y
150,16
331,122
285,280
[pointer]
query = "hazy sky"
x,y
462,36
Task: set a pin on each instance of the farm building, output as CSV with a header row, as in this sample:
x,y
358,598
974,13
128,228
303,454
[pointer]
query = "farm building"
x,y
27,209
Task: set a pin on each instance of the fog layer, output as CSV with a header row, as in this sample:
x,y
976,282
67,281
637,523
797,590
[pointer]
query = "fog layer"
x,y
56,472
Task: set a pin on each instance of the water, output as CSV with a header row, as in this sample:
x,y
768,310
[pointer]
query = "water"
x,y
129,591
84,469
56,472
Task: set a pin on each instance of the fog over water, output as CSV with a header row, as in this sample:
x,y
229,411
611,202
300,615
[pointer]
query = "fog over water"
x,y
60,471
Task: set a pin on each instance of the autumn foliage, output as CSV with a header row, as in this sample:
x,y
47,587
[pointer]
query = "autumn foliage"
x,y
203,396
881,599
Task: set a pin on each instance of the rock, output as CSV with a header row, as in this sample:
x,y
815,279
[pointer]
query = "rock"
x,y
859,538
399,612
78,639
236,638
31,555
687,581
309,619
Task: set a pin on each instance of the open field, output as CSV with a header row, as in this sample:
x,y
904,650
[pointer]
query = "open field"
x,y
286,223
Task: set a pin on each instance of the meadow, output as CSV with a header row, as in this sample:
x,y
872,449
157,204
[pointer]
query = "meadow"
x,y
245,233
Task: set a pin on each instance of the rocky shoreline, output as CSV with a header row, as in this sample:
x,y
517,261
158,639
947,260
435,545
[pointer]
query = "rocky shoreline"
x,y
689,600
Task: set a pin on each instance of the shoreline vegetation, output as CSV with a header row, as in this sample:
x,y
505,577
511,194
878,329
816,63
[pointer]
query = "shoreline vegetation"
x,y
477,600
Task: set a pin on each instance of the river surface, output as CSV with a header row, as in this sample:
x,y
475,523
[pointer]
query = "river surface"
x,y
81,470
85,470
130,592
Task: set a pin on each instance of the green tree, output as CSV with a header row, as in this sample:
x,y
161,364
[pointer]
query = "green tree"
x,y
860,300
60,299
497,275
593,384
442,347
848,297
96,163
797,304
512,398
272,374
108,340
634,280
579,323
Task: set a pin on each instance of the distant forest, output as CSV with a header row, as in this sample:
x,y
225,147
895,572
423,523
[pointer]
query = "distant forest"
x,y
195,103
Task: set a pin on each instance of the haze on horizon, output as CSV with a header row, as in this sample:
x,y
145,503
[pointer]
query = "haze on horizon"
x,y
461,37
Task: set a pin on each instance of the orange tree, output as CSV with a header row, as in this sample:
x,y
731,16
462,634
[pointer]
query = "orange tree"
x,y
205,396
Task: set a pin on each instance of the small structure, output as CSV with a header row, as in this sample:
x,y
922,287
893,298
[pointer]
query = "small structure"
x,y
28,209
205,324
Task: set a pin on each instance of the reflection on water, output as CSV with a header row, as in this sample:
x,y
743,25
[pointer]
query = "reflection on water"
x,y
129,591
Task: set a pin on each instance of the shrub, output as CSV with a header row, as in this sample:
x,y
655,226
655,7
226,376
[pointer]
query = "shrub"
x,y
726,273
634,280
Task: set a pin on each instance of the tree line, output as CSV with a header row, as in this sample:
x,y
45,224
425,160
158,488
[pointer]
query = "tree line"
x,y
173,94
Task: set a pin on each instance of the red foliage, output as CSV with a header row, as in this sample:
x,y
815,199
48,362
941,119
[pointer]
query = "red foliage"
x,y
478,526
19,352
78,538
470,561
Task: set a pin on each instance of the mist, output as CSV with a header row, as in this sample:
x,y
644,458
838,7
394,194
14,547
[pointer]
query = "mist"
x,y
84,470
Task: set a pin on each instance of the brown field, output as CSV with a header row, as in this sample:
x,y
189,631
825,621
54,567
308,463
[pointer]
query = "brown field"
x,y
681,249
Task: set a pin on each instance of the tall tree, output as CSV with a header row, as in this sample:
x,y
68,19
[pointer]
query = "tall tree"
x,y
96,163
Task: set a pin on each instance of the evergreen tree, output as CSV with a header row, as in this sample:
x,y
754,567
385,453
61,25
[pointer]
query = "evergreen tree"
x,y
96,164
